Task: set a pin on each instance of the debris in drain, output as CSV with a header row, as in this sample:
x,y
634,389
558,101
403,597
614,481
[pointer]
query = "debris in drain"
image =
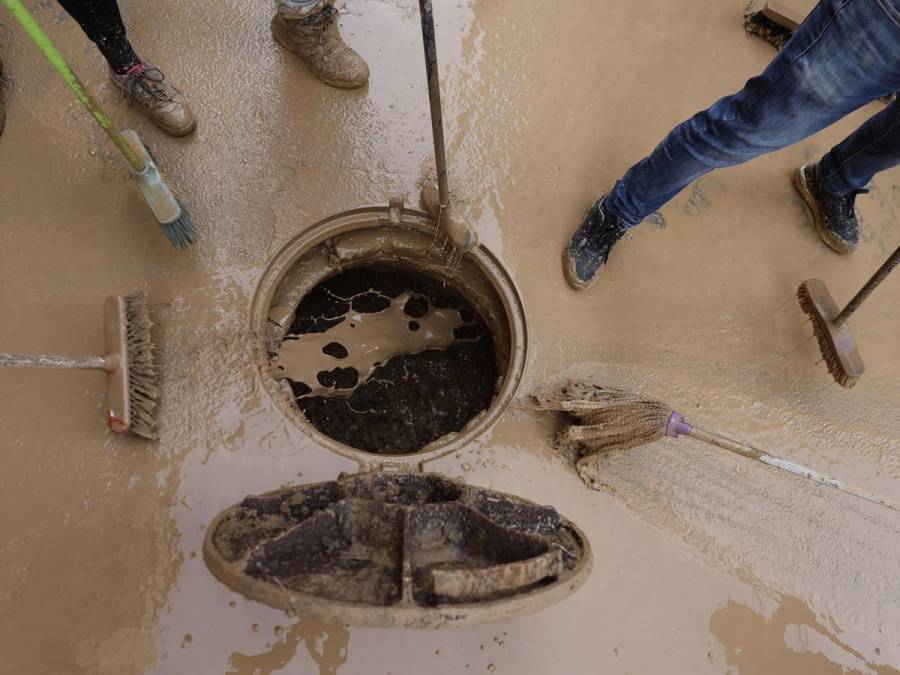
x,y
388,360
394,541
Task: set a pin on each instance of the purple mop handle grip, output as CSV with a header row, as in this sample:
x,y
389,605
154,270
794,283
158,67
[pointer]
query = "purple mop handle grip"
x,y
677,425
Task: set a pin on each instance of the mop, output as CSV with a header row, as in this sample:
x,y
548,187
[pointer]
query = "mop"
x,y
608,419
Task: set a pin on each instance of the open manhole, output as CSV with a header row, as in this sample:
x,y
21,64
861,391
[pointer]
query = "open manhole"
x,y
376,347
395,549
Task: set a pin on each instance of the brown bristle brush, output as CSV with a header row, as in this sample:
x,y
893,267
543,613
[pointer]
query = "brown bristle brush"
x,y
131,377
830,325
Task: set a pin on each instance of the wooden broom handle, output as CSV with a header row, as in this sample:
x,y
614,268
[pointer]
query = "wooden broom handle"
x,y
789,466
870,286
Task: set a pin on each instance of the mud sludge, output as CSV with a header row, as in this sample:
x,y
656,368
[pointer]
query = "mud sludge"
x,y
372,344
397,549
435,369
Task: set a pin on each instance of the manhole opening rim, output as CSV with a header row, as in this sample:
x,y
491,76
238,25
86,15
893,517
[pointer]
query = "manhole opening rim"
x,y
380,216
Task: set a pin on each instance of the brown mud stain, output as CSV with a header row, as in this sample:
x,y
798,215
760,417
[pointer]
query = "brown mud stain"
x,y
326,643
792,640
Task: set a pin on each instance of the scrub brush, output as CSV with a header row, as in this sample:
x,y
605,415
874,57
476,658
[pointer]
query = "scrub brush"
x,y
131,377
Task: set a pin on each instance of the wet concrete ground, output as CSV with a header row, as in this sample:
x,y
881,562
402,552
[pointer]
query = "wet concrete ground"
x,y
704,562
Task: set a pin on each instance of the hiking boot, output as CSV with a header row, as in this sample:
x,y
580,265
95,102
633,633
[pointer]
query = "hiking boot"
x,y
317,41
165,105
589,247
833,215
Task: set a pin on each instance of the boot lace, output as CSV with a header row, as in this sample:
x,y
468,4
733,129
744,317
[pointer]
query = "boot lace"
x,y
148,86
324,17
848,202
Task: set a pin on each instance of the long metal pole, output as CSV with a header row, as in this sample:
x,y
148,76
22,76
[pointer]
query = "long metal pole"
x,y
434,97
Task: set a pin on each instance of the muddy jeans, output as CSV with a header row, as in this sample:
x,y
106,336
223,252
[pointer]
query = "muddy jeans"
x,y
846,54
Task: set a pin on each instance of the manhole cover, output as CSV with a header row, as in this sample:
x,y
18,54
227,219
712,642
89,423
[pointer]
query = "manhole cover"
x,y
393,549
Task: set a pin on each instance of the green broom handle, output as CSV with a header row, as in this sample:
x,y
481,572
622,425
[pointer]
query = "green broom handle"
x,y
39,37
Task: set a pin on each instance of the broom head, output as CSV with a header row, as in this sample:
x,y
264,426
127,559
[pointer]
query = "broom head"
x,y
131,389
835,342
167,209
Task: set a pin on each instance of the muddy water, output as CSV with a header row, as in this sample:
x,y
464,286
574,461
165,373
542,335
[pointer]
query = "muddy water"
x,y
366,340
546,104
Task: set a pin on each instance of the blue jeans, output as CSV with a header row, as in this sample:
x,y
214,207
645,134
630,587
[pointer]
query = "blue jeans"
x,y
846,54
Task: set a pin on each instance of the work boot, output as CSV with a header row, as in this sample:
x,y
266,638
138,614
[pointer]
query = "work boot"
x,y
590,246
4,91
165,105
834,215
317,41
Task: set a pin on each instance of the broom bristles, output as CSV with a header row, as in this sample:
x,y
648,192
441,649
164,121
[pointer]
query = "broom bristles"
x,y
608,419
829,355
143,392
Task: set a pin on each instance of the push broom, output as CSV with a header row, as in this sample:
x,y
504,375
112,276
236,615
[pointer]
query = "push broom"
x,y
131,390
611,419
436,197
168,211
830,324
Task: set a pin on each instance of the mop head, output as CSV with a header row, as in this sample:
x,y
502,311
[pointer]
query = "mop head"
x,y
602,419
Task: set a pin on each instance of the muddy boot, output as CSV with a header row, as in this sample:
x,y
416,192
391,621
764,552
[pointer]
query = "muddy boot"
x,y
4,90
165,105
589,248
317,41
833,215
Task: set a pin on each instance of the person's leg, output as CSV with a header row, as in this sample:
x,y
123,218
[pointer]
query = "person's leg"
x,y
102,23
143,83
830,186
873,147
309,28
844,55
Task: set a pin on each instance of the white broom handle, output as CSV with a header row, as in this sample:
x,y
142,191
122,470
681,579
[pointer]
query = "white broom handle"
x,y
791,467
43,361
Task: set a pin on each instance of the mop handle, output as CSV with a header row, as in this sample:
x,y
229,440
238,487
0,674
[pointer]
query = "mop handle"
x,y
789,466
39,37
42,361
434,98
870,286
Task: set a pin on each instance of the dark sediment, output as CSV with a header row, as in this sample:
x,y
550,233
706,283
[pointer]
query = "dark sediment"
x,y
411,400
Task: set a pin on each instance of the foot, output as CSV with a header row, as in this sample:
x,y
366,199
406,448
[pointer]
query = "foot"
x,y
166,106
317,41
590,246
833,215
